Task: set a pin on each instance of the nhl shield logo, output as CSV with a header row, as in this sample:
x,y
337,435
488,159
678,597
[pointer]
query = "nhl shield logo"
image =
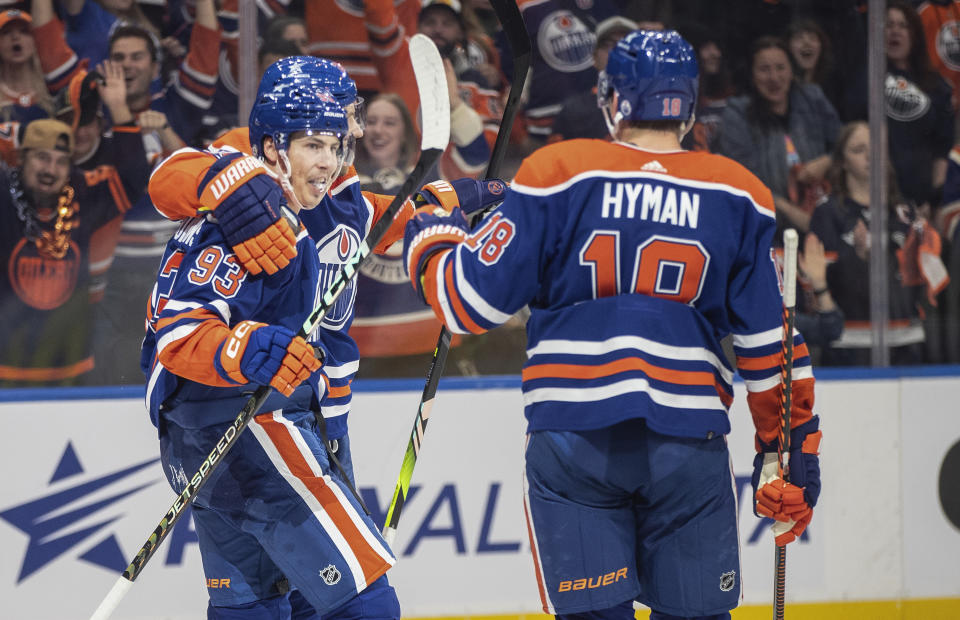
x,y
728,580
331,576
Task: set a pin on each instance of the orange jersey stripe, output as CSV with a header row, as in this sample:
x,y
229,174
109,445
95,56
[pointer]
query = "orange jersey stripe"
x,y
556,164
338,392
371,562
579,371
200,314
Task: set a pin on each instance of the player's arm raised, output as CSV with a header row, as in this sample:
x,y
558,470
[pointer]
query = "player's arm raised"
x,y
476,280
470,195
243,198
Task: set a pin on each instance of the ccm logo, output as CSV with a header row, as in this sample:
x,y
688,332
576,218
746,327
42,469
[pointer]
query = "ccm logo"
x,y
237,336
601,580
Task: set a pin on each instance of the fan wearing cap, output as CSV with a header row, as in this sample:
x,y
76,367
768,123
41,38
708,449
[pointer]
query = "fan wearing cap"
x,y
58,228
23,93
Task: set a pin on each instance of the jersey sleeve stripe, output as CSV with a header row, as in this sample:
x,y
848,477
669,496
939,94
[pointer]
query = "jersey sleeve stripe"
x,y
760,363
750,341
474,300
339,392
198,315
343,370
456,303
177,333
436,270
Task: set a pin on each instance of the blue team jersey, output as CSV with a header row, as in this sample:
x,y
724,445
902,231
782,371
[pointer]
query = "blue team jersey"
x,y
201,286
635,265
338,225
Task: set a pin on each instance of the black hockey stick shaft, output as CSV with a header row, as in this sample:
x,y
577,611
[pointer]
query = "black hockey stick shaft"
x,y
431,81
508,13
790,243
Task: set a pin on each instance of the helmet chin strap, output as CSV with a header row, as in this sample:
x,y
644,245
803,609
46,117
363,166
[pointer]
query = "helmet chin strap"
x,y
284,170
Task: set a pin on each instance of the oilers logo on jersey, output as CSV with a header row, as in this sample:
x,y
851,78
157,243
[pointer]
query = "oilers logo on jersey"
x,y
565,42
333,250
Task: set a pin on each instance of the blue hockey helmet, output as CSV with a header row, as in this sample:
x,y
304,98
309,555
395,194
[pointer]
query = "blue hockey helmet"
x,y
654,74
296,105
331,74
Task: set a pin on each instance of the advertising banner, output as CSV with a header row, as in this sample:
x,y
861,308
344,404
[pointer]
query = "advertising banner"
x,y
83,490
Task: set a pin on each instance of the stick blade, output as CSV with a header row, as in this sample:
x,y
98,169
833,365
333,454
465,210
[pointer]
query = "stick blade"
x,y
432,87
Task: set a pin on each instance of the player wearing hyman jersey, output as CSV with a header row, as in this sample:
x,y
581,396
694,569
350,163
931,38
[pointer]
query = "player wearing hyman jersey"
x,y
635,258
275,516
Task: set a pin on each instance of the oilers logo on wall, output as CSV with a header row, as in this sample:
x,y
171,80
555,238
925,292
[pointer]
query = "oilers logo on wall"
x,y
948,45
905,100
565,42
334,249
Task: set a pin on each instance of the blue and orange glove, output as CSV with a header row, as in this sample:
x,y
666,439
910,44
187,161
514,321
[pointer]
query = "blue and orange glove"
x,y
790,504
471,195
430,230
252,223
267,355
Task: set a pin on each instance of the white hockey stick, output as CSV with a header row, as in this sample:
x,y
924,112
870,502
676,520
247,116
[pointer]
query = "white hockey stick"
x,y
435,107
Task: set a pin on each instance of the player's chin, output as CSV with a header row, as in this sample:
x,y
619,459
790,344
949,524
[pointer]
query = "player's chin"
x,y
311,194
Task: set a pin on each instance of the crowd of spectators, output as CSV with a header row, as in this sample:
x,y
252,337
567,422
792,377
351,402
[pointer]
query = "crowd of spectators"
x,y
94,93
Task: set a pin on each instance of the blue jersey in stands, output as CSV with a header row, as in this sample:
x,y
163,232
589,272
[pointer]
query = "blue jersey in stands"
x,y
635,265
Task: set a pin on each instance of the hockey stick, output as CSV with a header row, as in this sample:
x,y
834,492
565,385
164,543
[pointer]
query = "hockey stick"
x,y
790,242
508,14
435,104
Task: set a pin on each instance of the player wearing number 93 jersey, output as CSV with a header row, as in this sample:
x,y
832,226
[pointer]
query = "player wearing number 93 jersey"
x,y
636,258
281,534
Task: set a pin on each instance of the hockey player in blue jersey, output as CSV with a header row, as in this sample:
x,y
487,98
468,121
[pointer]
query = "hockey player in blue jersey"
x,y
276,516
636,258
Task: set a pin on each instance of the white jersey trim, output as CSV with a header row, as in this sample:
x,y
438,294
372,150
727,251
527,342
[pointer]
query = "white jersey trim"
x,y
473,298
449,318
343,370
760,339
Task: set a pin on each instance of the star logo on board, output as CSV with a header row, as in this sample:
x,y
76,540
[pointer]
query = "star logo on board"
x,y
62,520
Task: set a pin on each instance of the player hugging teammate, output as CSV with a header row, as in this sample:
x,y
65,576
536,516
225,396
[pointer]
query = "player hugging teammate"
x,y
276,521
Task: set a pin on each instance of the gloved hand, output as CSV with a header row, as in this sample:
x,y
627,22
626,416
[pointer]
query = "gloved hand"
x,y
250,219
268,355
470,195
791,503
429,231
